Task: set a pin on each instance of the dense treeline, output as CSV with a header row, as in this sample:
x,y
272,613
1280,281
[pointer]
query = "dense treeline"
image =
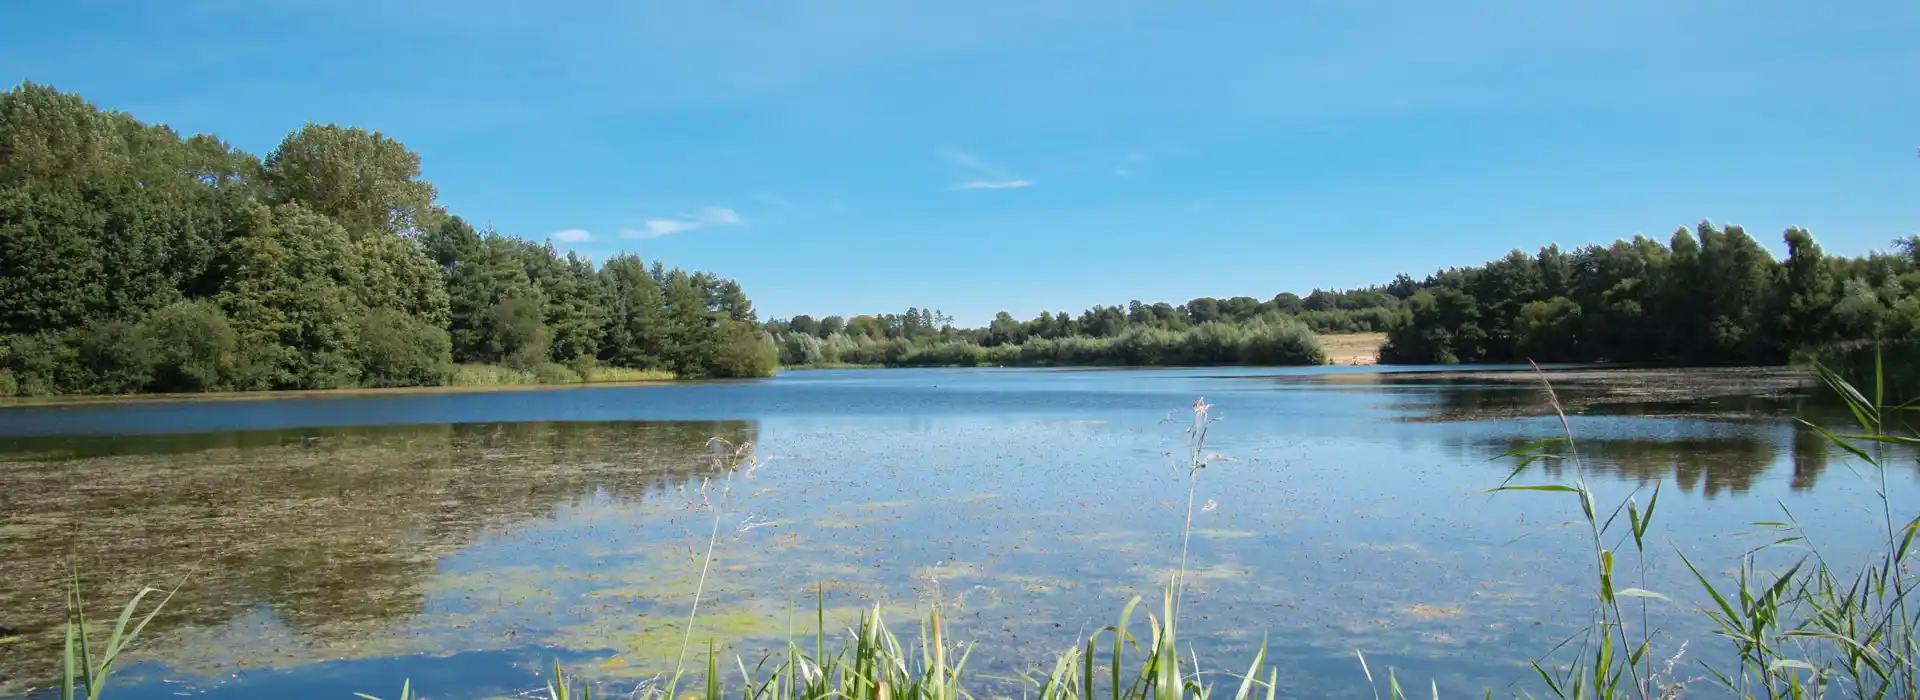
x,y
1204,331
133,259
1710,296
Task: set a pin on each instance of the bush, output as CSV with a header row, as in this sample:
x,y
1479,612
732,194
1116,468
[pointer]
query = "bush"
x,y
44,364
256,365
555,373
800,349
743,351
117,356
397,349
194,348
8,385
1211,344
1281,342
517,332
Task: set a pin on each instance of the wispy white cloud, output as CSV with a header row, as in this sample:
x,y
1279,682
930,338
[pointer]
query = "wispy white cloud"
x,y
710,216
656,228
993,184
986,175
572,235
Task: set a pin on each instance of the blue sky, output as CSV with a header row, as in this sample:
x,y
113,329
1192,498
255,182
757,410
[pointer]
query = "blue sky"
x,y
857,156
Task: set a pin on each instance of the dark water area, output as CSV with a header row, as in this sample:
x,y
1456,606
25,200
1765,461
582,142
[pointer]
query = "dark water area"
x,y
339,544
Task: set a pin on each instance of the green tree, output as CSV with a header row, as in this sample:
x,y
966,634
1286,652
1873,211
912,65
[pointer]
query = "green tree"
x,y
365,181
118,357
474,287
637,317
1809,290
742,351
400,349
517,331
390,272
691,332
287,296
193,347
1549,329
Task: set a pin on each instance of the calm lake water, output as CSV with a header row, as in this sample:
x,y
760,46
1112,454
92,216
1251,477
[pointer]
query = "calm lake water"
x,y
334,544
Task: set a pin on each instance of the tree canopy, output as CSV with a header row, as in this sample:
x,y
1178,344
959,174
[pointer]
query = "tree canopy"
x,y
134,259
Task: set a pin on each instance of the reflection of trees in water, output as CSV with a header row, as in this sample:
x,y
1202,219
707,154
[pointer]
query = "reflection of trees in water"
x,y
1710,465
335,529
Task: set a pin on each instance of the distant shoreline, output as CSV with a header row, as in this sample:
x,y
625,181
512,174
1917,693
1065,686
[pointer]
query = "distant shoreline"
x,y
270,394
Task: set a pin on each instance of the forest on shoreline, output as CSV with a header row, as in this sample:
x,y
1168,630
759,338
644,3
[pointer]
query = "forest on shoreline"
x,y
1712,295
134,259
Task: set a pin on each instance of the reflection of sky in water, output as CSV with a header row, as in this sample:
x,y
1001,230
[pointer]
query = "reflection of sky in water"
x,y
1039,502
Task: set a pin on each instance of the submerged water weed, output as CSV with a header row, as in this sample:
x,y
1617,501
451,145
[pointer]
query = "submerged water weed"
x,y
870,663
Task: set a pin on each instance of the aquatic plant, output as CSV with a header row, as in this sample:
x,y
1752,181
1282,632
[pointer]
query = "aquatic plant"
x,y
1804,630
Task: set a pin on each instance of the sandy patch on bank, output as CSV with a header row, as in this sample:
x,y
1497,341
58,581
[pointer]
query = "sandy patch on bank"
x,y
1353,348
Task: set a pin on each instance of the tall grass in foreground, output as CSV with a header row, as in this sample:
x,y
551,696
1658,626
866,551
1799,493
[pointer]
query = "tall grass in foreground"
x,y
1808,630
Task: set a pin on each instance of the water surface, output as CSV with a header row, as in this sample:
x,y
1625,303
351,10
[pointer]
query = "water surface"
x,y
332,544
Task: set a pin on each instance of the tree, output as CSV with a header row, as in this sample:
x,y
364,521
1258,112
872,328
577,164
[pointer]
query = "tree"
x,y
1204,310
193,347
637,318
805,325
365,181
133,258
474,287
691,334
576,309
742,351
1808,288
400,349
287,296
118,357
390,272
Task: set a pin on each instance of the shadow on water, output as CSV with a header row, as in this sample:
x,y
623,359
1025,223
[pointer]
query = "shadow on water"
x,y
333,532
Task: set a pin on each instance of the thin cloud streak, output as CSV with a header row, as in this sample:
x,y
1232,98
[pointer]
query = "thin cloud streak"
x,y
993,184
711,216
572,235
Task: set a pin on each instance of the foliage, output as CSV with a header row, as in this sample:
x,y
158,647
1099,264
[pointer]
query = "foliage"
x,y
488,375
604,374
1796,629
743,351
327,264
366,182
193,347
1274,339
117,356
928,337
1711,295
398,349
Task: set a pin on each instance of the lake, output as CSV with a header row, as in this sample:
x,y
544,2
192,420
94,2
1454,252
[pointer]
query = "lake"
x,y
331,544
